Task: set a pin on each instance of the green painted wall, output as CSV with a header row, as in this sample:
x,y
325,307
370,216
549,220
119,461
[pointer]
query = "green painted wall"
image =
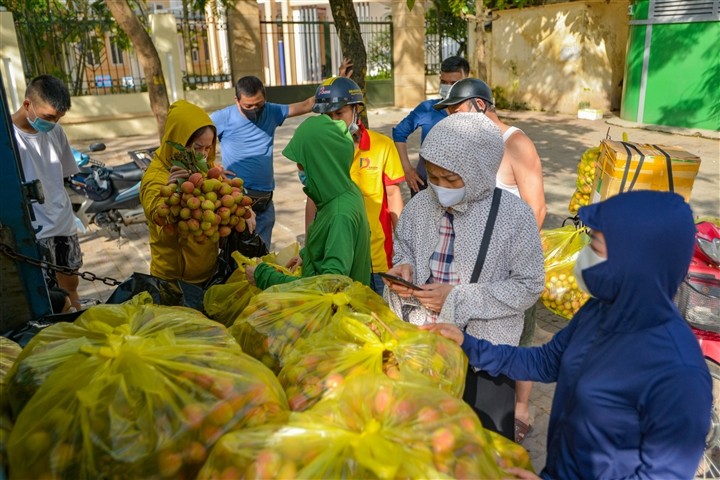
x,y
684,76
641,10
683,73
633,73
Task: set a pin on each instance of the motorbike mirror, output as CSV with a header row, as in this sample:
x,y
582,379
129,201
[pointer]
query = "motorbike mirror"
x,y
97,147
710,248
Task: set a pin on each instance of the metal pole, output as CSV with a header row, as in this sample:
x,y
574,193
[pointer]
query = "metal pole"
x,y
25,294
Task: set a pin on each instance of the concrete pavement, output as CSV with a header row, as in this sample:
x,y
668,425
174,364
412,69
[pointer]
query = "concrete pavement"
x,y
560,140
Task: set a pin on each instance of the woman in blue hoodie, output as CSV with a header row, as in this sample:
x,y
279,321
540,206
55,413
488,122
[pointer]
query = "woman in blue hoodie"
x,y
633,393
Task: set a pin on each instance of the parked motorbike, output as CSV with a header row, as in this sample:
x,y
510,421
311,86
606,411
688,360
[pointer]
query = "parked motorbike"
x,y
698,300
107,196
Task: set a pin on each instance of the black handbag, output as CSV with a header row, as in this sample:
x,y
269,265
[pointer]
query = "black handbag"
x,y
260,200
248,244
492,398
163,292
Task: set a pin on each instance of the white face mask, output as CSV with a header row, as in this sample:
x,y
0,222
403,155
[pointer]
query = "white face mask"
x,y
586,258
444,90
353,128
448,196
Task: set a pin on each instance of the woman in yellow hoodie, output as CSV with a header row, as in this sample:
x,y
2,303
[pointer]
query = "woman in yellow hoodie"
x,y
188,125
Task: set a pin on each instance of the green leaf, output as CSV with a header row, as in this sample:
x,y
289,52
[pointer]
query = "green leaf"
x,y
202,165
179,164
176,146
410,4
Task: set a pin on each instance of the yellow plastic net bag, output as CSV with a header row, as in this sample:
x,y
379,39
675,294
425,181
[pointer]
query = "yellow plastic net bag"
x,y
96,328
9,352
560,249
146,393
284,315
585,178
359,344
225,302
509,454
372,428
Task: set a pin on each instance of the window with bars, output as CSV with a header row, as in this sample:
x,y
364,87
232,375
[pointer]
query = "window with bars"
x,y
116,53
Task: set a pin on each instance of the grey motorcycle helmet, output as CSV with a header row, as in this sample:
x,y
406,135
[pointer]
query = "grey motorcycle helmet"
x,y
465,89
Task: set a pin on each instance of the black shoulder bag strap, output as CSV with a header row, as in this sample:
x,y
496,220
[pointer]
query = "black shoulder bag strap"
x,y
485,243
491,398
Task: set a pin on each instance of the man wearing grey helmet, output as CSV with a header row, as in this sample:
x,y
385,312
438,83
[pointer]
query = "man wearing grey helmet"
x,y
424,117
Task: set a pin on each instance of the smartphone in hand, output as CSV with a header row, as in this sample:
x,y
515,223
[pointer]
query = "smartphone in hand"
x,y
399,281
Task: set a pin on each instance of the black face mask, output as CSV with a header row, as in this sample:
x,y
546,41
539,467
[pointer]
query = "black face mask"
x,y
253,114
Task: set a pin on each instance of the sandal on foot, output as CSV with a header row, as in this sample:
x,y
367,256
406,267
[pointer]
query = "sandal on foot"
x,y
522,430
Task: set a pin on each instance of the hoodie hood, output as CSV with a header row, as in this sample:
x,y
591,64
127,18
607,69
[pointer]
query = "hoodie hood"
x,y
468,144
325,150
183,120
650,238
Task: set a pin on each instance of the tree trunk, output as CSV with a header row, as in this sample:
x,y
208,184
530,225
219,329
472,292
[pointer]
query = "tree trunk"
x,y
148,56
351,42
480,59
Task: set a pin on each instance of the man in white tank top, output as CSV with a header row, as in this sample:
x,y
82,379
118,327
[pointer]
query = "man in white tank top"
x,y
520,173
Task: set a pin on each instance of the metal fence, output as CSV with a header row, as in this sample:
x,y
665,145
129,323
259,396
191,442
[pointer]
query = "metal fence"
x,y
299,52
439,45
204,51
87,53
94,58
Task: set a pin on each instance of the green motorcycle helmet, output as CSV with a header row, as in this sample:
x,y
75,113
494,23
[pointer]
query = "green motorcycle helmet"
x,y
336,92
465,89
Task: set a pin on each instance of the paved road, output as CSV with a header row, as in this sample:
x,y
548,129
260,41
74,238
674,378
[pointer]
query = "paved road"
x,y
560,140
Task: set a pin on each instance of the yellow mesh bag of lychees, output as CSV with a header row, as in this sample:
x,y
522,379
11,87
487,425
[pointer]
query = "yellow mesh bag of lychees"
x,y
560,249
360,344
141,391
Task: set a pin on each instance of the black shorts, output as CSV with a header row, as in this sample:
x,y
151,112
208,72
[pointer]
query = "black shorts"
x,y
61,251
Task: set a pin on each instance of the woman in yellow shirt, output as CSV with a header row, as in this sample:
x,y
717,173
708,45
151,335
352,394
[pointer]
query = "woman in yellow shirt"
x,y
171,259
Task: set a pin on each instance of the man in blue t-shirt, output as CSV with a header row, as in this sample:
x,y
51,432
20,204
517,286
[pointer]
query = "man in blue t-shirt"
x,y
425,116
246,132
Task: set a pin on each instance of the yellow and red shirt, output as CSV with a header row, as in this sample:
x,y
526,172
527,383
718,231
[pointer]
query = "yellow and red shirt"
x,y
372,171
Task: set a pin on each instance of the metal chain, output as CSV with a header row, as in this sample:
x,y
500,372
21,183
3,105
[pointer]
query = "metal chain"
x,y
89,276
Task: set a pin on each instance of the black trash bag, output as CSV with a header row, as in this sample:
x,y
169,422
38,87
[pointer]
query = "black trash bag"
x,y
22,335
248,244
170,293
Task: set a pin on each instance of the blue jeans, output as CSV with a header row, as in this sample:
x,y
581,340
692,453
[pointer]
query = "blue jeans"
x,y
265,223
377,284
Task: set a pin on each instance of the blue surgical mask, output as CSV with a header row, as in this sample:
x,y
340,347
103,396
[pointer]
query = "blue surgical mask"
x,y
448,196
302,177
40,124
